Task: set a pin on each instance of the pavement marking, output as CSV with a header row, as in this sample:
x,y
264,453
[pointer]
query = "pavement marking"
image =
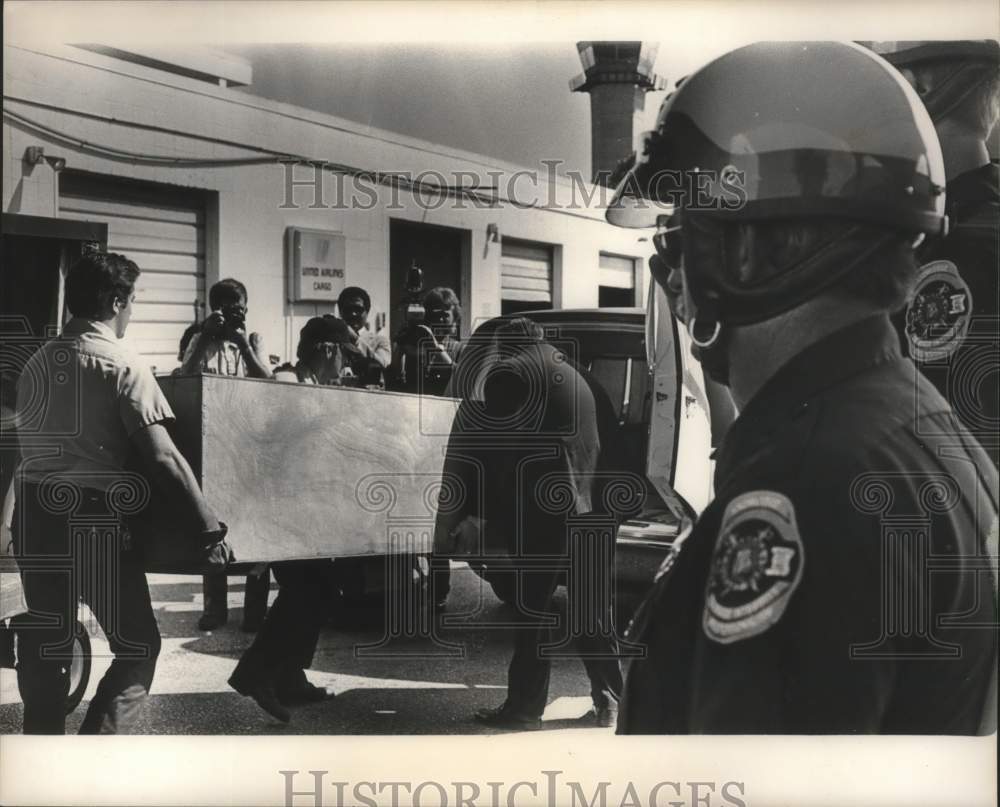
x,y
567,708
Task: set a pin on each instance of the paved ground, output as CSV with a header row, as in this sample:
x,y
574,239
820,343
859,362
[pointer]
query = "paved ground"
x,y
407,686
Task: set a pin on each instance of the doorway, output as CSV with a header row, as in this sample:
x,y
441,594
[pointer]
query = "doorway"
x,y
37,252
439,251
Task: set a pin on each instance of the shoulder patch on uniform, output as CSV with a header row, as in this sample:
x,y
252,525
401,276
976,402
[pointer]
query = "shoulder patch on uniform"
x,y
756,567
938,312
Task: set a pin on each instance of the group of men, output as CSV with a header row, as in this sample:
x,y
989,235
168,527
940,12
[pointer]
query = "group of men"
x,y
844,579
223,345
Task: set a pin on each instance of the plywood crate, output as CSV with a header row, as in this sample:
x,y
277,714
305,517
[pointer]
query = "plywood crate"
x,y
303,471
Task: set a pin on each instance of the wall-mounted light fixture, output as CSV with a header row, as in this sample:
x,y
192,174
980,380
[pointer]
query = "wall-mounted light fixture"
x,y
492,233
33,155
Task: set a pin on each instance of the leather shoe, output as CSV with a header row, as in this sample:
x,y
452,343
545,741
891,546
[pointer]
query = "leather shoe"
x,y
606,717
503,716
212,621
266,699
293,688
307,693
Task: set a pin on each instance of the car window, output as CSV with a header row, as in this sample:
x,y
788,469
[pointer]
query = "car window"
x,y
612,374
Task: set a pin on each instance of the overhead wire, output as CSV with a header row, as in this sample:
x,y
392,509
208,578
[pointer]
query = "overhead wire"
x,y
264,156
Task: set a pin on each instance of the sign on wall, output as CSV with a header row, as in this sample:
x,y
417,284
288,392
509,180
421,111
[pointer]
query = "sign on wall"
x,y
317,265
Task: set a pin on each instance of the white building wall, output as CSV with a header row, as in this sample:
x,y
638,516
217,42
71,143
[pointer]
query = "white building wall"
x,y
119,105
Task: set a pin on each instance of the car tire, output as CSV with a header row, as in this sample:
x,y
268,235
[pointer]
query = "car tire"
x,y
79,668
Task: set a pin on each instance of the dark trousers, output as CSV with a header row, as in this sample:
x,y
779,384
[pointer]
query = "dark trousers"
x,y
68,549
286,642
215,591
587,628
440,579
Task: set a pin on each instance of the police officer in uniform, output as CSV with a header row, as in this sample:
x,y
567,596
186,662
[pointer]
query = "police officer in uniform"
x,y
949,325
545,516
841,581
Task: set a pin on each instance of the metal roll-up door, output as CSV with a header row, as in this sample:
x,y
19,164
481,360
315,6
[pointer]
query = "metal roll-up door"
x,y
162,229
616,272
616,281
525,276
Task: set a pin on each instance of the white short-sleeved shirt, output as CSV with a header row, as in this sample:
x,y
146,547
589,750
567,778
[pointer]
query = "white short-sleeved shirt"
x,y
80,399
221,356
376,345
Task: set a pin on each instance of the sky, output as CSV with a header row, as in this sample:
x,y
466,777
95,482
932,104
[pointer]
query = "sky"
x,y
511,102
507,100
490,78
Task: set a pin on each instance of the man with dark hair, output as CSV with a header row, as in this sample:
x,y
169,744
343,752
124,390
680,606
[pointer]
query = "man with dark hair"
x,y
540,496
840,580
353,306
84,402
222,346
949,326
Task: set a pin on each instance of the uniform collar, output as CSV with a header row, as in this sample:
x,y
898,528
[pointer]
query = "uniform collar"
x,y
78,326
975,187
834,358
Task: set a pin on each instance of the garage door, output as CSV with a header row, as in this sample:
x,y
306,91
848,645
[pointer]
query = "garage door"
x,y
616,281
525,276
162,229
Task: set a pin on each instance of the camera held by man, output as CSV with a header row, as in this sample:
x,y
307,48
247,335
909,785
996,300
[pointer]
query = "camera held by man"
x,y
222,344
427,346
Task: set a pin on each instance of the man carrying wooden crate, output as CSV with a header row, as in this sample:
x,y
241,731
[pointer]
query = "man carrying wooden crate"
x,y
84,403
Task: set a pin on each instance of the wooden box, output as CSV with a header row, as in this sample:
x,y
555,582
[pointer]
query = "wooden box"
x,y
303,471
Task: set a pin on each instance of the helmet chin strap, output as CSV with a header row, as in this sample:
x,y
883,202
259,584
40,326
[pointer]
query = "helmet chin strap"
x,y
707,343
711,351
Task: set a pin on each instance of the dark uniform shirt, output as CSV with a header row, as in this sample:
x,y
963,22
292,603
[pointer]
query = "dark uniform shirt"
x,y
545,415
950,325
541,404
840,580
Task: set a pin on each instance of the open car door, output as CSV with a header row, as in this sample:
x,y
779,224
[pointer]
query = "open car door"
x,y
678,459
